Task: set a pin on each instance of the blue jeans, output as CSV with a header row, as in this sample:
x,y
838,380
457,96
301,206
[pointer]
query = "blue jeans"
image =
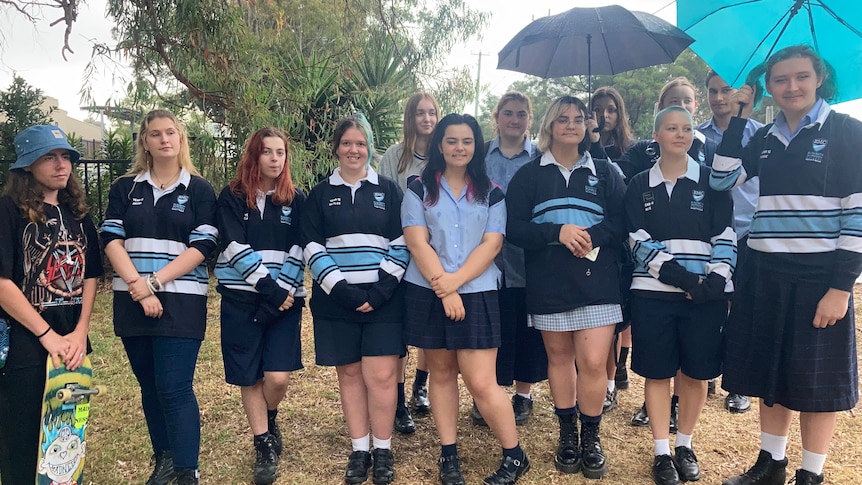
x,y
165,369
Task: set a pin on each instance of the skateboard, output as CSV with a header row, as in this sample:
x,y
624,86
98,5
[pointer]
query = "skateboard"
x,y
62,430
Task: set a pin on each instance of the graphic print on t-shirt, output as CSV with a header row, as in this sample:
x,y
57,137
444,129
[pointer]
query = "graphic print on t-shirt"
x,y
61,282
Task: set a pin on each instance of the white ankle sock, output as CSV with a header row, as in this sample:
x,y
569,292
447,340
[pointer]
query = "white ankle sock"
x,y
661,447
683,440
812,462
361,444
775,445
380,444
612,384
526,396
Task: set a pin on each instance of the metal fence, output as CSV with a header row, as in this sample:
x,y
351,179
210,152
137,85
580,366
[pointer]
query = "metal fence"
x,y
96,177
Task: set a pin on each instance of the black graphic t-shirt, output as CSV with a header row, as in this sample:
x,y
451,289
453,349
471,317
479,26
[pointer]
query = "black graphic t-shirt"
x,y
49,263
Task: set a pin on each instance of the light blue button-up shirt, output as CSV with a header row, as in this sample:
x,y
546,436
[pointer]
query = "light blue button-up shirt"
x,y
456,226
812,116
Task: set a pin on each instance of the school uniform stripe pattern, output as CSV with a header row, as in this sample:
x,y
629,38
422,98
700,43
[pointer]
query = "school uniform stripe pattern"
x,y
353,234
692,226
254,241
809,213
152,246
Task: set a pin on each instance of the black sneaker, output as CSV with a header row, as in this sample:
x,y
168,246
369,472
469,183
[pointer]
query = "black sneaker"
x,y
276,433
640,417
593,462
686,464
664,472
404,421
187,477
476,416
765,471
611,398
523,408
383,469
163,468
568,456
266,460
509,472
450,470
421,403
357,467
805,477
737,403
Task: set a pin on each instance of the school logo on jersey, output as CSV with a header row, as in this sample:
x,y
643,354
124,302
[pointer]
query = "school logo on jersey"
x,y
592,182
816,153
697,200
137,200
180,204
765,153
649,200
285,215
378,200
334,201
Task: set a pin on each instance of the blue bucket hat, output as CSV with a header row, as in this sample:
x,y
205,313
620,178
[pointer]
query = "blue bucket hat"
x,y
39,140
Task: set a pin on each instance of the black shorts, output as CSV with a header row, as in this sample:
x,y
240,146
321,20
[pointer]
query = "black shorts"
x,y
672,335
249,348
428,327
341,342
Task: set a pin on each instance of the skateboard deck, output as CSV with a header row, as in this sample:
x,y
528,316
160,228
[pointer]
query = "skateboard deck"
x,y
62,430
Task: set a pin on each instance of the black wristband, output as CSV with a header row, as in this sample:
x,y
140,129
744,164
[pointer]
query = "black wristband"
x,y
44,333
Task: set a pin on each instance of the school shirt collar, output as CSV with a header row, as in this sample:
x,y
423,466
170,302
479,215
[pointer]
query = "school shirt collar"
x,y
585,161
817,116
495,145
370,176
185,179
692,172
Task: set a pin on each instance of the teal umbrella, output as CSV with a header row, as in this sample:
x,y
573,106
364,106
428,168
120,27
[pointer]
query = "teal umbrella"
x,y
733,36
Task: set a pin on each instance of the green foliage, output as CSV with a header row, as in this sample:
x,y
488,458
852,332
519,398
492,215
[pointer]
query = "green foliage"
x,y
21,105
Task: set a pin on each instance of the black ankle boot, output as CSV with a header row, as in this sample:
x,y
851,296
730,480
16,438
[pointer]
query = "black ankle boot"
x,y
593,463
568,457
163,470
805,477
187,477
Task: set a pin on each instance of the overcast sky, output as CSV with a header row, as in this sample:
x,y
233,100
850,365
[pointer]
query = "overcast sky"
x,y
33,51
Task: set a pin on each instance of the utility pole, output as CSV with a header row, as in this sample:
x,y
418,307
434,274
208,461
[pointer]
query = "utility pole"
x,y
478,81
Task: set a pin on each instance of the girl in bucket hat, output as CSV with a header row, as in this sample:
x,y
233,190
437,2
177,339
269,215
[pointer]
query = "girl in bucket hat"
x,y
46,232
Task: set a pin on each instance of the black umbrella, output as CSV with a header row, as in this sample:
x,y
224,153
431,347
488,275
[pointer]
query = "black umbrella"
x,y
602,40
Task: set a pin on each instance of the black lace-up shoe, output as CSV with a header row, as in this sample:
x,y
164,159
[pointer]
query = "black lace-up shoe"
x,y
404,421
266,460
686,464
163,470
765,471
664,472
593,462
450,470
357,467
383,469
568,457
611,398
509,472
805,477
523,408
276,433
737,403
640,418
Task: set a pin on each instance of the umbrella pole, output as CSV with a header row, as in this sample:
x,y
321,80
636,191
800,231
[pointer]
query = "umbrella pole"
x,y
589,70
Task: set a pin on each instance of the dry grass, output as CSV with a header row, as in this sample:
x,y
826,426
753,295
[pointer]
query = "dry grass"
x,y
317,445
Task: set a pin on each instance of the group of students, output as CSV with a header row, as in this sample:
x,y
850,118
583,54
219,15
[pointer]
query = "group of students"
x,y
505,262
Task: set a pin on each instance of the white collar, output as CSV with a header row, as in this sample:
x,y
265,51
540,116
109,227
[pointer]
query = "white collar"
x,y
692,172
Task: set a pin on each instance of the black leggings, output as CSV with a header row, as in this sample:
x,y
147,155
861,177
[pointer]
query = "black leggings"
x,y
20,412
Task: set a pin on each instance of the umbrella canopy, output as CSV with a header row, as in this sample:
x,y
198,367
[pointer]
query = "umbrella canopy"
x,y
602,40
733,36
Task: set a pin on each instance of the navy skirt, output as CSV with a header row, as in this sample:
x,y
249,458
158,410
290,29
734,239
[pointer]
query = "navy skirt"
x,y
773,351
428,327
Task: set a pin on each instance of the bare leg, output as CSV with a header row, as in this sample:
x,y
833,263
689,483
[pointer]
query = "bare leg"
x,y
379,376
657,393
480,376
692,397
560,347
817,430
354,399
443,393
591,352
